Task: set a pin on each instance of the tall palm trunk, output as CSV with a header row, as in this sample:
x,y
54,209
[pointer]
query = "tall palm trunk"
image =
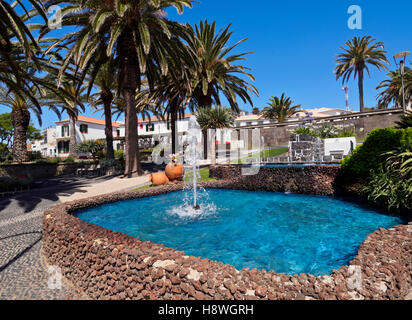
x,y
173,128
173,121
20,119
72,143
205,102
107,98
129,79
213,147
360,85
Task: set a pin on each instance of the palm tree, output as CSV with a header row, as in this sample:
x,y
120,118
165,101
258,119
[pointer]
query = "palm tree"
x,y
71,99
106,81
357,55
20,116
15,26
135,34
280,108
92,146
405,121
216,70
214,118
392,89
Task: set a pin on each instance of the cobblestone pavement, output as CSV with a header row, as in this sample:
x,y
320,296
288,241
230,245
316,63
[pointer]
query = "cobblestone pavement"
x,y
23,271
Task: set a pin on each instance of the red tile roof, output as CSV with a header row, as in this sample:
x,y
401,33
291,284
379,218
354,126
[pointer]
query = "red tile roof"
x,y
92,120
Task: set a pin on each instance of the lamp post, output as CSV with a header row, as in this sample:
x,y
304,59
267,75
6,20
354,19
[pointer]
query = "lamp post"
x,y
402,56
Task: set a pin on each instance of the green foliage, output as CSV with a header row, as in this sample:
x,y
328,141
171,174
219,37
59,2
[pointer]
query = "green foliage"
x,y
7,130
304,130
406,121
326,131
35,155
280,108
119,155
276,152
371,154
69,160
94,147
218,117
391,186
53,160
390,189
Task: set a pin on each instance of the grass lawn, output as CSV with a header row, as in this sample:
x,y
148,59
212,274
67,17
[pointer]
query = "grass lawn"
x,y
204,176
274,152
266,154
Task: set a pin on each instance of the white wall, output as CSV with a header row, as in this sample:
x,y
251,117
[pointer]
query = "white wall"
x,y
94,132
339,144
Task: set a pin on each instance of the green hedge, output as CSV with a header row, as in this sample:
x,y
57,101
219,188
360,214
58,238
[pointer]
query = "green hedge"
x,y
370,155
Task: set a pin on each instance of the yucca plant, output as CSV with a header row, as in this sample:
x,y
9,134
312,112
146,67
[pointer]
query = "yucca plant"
x,y
358,54
280,108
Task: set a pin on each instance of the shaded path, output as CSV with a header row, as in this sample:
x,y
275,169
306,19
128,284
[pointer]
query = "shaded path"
x,y
23,272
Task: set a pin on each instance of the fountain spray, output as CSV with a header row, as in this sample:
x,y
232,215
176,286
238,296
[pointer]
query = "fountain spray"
x,y
193,132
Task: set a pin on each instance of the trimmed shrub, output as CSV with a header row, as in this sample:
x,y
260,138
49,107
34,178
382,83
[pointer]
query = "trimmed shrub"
x,y
371,154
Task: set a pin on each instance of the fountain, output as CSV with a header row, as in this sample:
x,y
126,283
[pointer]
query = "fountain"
x,y
193,133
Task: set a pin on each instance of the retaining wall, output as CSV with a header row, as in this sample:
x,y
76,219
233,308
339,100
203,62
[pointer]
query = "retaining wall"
x,y
110,265
318,180
37,170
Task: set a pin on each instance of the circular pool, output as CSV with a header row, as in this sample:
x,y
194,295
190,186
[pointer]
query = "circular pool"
x,y
287,233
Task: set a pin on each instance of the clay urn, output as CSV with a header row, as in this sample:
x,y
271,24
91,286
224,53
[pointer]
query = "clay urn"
x,y
174,170
158,179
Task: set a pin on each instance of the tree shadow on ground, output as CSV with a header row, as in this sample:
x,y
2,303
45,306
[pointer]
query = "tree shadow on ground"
x,y
48,195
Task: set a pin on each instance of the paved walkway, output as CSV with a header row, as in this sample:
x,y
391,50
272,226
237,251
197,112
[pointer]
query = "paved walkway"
x,y
23,272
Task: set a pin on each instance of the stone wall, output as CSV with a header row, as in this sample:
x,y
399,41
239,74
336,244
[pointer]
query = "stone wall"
x,y
36,170
110,265
318,180
280,135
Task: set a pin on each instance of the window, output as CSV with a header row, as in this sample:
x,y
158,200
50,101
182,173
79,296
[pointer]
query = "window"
x,y
84,128
118,132
119,146
63,146
65,131
168,125
150,127
141,127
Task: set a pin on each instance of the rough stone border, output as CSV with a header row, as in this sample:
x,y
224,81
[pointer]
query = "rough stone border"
x,y
110,265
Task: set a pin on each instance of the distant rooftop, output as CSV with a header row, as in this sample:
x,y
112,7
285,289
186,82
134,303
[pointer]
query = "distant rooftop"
x,y
92,120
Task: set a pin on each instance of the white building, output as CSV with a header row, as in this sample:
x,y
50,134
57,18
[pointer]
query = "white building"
x,y
46,146
86,129
154,130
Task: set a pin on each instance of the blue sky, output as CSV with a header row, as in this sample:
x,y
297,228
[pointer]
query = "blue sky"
x,y
294,45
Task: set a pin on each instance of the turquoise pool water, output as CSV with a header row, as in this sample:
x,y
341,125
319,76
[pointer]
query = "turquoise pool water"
x,y
287,233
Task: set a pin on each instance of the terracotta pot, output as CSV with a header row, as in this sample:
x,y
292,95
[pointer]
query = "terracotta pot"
x,y
174,171
158,179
